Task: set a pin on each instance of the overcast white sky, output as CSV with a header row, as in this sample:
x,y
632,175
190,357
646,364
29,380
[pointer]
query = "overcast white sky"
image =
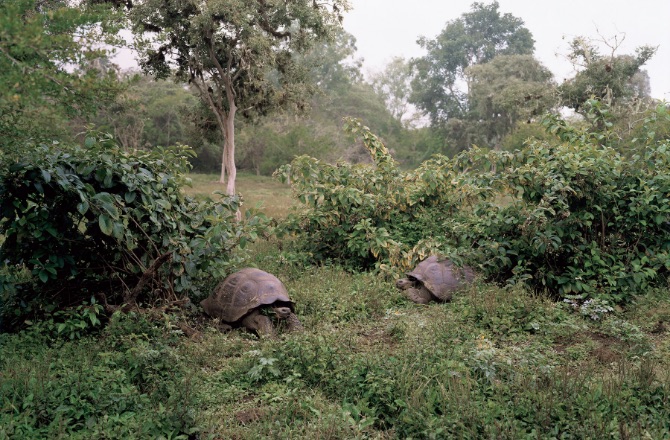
x,y
388,28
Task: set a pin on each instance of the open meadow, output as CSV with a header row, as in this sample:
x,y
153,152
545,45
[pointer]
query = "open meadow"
x,y
494,363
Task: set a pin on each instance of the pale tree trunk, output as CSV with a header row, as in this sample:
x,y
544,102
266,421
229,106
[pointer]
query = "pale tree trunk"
x,y
228,159
226,122
222,178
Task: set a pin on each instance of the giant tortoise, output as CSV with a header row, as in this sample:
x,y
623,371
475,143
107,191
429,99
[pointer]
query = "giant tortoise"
x,y
435,280
244,298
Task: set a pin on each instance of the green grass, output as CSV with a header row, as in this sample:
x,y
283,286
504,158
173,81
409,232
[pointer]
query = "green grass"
x,y
260,192
493,363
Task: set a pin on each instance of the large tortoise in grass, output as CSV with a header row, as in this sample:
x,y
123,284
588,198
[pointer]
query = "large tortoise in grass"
x,y
248,298
435,280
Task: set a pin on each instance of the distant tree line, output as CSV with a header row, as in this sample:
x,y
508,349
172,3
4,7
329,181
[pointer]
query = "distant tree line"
x,y
478,84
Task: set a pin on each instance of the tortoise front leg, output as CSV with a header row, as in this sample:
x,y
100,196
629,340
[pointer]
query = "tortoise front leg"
x,y
259,323
293,324
419,296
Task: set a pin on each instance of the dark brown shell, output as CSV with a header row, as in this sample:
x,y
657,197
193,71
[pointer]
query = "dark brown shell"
x,y
243,291
441,277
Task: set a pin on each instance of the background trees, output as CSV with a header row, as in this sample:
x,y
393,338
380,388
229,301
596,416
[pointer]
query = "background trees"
x,y
615,79
504,91
237,54
393,84
440,86
150,113
49,69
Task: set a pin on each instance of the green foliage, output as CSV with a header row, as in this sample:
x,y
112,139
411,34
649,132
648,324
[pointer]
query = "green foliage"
x,y
612,79
572,216
508,89
48,70
475,368
150,113
236,54
493,363
72,323
474,38
581,220
393,85
120,386
97,219
317,132
354,212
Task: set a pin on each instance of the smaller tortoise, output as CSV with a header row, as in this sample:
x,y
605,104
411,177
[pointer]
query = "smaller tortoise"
x,y
434,280
243,296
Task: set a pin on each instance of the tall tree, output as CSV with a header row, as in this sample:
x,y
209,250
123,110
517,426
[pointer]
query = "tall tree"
x,y
612,78
393,85
333,64
440,84
50,69
505,90
150,113
238,54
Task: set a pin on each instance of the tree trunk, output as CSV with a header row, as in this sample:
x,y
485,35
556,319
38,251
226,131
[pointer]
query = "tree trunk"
x,y
228,159
222,178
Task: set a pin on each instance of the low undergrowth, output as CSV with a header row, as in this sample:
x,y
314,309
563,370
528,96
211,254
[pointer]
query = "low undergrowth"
x,y
493,363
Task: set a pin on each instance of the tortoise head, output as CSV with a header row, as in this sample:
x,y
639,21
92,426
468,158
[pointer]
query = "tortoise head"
x,y
282,312
406,283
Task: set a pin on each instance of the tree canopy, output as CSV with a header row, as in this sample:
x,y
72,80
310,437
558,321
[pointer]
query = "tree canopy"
x,y
49,68
239,55
505,90
440,84
614,78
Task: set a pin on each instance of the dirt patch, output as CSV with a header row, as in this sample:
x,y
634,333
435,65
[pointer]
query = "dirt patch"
x,y
376,337
607,348
249,415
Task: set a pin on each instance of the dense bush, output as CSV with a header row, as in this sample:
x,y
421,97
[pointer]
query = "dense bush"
x,y
363,215
578,218
570,215
96,219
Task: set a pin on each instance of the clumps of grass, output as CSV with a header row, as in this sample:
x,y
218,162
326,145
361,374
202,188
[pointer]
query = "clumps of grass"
x,y
131,383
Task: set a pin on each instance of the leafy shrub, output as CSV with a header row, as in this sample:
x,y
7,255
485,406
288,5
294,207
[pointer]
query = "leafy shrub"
x,y
86,220
72,323
120,386
364,215
574,217
580,219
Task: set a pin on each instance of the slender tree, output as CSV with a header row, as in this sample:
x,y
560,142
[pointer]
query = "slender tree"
x,y
238,54
393,85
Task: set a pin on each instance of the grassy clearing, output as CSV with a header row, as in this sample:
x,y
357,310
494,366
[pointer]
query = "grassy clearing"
x,y
493,363
260,192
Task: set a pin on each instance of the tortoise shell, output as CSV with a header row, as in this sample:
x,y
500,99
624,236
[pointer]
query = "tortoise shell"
x,y
244,291
441,277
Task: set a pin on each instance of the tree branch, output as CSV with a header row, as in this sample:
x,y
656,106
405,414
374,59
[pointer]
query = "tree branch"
x,y
148,275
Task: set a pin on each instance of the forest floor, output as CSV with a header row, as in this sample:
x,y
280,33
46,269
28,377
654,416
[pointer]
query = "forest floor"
x,y
496,362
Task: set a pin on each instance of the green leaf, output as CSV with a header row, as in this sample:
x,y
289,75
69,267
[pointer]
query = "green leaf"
x,y
82,207
43,275
118,230
106,224
130,197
